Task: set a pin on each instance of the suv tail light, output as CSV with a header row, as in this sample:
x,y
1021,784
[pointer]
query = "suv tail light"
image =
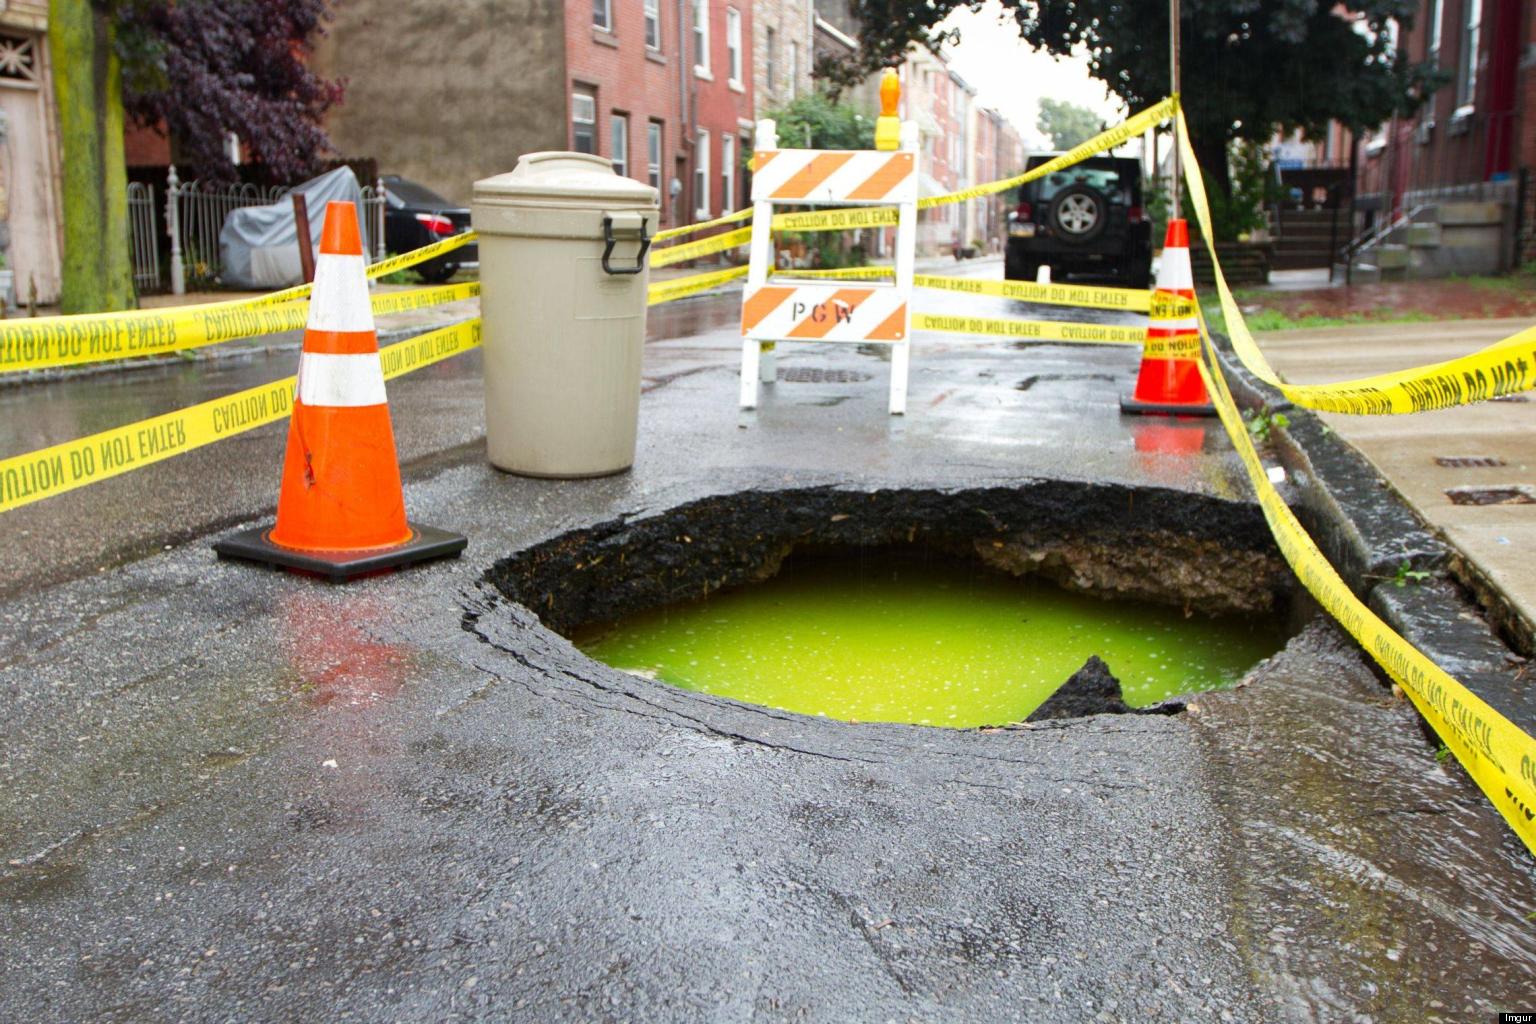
x,y
1023,211
435,224
1136,215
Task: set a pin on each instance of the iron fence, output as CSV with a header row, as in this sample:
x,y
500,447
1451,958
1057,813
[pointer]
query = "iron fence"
x,y
144,239
194,214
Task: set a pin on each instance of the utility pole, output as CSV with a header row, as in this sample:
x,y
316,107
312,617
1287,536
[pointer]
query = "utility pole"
x,y
1173,70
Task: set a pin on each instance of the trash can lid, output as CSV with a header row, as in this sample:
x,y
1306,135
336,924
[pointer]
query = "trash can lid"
x,y
564,178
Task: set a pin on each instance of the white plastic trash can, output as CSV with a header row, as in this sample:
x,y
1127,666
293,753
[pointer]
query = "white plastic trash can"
x,y
563,277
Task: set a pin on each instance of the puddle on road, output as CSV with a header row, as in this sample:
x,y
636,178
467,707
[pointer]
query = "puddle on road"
x,y
890,636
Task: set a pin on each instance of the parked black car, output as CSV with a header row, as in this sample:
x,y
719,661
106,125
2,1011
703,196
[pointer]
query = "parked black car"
x,y
1085,219
415,216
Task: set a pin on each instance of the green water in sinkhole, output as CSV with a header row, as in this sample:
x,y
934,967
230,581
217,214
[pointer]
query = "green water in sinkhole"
x,y
882,638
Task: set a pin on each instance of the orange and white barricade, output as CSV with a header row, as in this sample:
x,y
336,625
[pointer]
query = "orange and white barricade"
x,y
822,311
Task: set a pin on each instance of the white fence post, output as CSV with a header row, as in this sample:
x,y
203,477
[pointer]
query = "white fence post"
x,y
173,228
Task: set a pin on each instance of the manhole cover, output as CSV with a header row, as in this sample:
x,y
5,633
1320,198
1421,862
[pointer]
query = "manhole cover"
x,y
1468,461
1508,494
812,375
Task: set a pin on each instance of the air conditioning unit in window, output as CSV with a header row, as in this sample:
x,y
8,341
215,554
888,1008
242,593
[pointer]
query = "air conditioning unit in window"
x,y
1425,131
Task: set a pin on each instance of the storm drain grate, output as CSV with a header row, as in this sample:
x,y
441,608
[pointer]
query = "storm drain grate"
x,y
813,375
1508,494
1468,461
1511,398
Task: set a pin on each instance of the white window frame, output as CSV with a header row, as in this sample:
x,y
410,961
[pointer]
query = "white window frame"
x,y
770,71
701,39
582,97
654,136
727,173
701,175
1466,66
618,138
733,61
1436,17
653,24
602,15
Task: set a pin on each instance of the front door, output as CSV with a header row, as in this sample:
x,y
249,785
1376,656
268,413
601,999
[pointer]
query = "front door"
x,y
29,206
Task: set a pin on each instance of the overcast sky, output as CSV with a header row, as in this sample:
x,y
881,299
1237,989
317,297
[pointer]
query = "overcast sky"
x,y
1010,77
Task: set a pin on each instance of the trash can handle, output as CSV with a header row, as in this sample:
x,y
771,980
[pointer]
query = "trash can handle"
x,y
609,242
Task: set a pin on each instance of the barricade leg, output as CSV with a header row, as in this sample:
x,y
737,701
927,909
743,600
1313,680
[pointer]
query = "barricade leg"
x,y
899,353
768,363
749,370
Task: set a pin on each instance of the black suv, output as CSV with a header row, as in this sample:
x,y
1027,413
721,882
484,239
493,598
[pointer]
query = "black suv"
x,y
1084,219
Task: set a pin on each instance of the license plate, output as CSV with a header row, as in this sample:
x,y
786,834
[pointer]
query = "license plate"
x,y
1021,230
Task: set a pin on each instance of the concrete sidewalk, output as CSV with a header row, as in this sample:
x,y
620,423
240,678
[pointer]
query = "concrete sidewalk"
x,y
1430,456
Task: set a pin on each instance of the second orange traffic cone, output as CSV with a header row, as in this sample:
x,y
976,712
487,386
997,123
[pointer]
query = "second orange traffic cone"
x,y
341,509
1169,381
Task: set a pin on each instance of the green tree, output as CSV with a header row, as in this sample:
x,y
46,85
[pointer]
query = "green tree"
x,y
817,121
1066,123
98,272
1249,67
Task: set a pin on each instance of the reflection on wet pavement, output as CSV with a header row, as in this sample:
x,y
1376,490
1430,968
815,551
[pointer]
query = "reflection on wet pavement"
x,y
1371,883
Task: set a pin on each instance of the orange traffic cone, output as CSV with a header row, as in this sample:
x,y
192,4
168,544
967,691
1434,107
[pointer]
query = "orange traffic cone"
x,y
1169,382
341,509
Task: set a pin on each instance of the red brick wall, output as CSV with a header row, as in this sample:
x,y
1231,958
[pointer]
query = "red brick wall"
x,y
724,108
145,147
629,79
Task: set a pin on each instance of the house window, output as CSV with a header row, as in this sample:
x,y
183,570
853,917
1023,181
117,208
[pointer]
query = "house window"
x,y
701,176
1436,15
727,173
583,120
1466,67
701,38
793,71
773,60
653,24
653,154
618,128
602,15
733,44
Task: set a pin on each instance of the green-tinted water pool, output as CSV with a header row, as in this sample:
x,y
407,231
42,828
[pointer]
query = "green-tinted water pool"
x,y
926,641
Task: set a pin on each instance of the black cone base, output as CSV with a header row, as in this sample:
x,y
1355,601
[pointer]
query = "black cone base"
x,y
1130,405
338,566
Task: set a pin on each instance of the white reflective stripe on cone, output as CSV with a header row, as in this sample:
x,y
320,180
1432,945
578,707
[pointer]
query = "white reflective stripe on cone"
x,y
340,381
1185,324
340,299
1174,272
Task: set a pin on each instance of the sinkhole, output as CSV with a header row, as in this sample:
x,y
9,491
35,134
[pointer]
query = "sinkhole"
x,y
961,608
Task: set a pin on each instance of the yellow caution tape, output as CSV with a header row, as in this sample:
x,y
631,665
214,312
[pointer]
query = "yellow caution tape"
x,y
1136,124
703,247
1502,368
1131,300
380,269
688,229
849,273
1499,756
848,218
1037,330
64,467
682,287
55,341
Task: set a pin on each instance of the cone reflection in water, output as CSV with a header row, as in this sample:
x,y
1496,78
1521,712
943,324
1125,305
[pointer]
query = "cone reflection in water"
x,y
1169,379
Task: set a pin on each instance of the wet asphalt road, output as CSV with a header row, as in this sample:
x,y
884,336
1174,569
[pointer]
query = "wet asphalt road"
x,y
232,794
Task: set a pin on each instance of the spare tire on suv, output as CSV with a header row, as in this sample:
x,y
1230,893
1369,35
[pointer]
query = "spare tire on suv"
x,y
1079,213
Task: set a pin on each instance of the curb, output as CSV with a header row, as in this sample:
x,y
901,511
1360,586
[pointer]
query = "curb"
x,y
1366,530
